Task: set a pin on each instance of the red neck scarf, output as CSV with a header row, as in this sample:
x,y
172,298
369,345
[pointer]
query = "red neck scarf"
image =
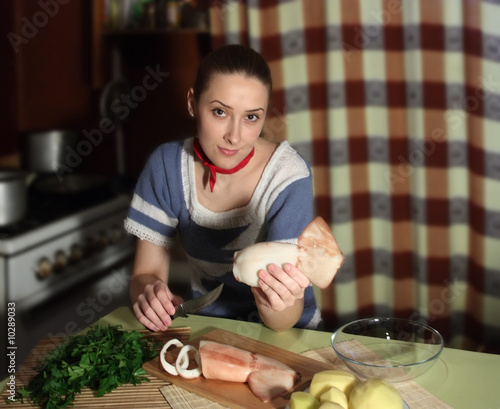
x,y
215,169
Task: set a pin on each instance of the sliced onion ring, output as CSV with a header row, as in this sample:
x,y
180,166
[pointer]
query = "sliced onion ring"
x,y
169,367
182,363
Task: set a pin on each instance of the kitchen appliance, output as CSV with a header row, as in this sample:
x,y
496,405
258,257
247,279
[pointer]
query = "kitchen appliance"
x,y
47,150
13,195
64,265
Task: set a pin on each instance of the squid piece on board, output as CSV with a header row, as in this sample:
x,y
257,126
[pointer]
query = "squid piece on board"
x,y
267,378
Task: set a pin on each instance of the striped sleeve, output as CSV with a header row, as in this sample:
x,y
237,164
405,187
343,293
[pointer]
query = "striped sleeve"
x,y
153,213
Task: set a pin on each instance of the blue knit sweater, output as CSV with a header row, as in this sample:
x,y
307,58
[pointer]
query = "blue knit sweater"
x,y
165,203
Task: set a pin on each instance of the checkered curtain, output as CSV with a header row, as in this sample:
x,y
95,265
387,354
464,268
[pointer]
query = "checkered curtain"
x,y
396,106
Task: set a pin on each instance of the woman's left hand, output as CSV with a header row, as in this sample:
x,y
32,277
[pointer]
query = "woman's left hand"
x,y
280,288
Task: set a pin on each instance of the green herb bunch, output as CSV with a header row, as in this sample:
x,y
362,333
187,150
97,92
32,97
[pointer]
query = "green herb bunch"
x,y
102,359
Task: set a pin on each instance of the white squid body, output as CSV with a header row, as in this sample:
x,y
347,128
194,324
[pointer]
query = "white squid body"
x,y
317,255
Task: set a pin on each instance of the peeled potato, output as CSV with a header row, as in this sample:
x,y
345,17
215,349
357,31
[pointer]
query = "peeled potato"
x,y
375,394
324,380
303,400
331,405
335,395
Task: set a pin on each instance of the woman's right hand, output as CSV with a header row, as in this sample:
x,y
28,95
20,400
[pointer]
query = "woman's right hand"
x,y
155,306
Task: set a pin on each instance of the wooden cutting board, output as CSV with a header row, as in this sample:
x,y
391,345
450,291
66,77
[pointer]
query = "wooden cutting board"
x,y
128,396
238,395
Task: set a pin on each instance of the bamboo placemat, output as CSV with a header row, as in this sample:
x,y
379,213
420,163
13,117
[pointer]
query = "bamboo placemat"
x,y
179,398
143,396
413,394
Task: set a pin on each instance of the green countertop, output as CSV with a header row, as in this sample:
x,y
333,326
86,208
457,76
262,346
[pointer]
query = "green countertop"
x,y
463,379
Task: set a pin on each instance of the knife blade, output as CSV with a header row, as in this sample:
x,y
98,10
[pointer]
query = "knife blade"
x,y
196,304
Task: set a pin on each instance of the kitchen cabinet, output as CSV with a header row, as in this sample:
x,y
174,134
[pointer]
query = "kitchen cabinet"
x,y
44,75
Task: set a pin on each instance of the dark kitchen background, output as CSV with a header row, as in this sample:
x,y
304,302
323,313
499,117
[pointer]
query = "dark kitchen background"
x,y
56,70
395,104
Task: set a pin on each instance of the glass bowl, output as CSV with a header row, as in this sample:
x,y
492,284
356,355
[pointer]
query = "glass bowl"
x,y
389,348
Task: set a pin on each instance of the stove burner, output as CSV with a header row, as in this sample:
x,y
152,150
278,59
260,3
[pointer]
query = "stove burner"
x,y
45,208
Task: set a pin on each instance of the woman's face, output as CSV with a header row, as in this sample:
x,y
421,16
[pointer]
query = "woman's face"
x,y
230,115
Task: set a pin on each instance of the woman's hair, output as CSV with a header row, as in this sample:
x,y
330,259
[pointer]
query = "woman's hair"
x,y
232,59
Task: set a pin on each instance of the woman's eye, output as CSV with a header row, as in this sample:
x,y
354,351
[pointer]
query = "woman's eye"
x,y
219,112
252,117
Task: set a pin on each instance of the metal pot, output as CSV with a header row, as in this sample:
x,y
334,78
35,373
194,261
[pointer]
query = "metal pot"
x,y
13,195
46,150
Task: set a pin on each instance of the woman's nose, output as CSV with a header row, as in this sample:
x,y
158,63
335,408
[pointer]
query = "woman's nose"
x,y
233,133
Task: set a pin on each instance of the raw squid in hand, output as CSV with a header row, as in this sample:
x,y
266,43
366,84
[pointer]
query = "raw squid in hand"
x,y
267,378
317,255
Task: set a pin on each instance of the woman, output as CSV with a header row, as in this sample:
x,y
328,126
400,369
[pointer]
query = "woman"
x,y
220,192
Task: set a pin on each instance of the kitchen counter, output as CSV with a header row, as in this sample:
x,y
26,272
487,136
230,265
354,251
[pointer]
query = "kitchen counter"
x,y
463,379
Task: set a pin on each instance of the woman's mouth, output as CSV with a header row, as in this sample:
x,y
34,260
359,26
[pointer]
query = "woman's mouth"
x,y
228,152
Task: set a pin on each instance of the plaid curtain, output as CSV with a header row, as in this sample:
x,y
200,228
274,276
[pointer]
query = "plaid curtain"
x,y
396,106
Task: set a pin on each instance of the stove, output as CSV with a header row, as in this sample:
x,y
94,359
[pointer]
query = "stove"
x,y
44,209
61,255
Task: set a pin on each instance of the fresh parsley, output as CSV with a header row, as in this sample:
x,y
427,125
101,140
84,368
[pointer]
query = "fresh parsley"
x,y
102,359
